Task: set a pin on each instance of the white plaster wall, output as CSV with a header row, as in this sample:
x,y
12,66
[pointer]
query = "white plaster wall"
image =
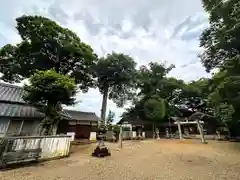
x,y
52,146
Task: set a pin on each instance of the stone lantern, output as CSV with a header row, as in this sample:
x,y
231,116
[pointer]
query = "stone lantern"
x,y
101,150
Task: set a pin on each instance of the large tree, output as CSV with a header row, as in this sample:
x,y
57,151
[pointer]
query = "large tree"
x,y
115,76
225,99
151,80
47,91
193,94
160,97
155,110
156,90
221,39
46,45
222,52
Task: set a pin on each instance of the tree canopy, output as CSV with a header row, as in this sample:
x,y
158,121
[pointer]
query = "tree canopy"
x,y
46,45
155,92
222,53
48,90
150,80
220,40
115,78
154,108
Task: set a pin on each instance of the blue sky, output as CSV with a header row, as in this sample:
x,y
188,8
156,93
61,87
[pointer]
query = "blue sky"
x,y
154,30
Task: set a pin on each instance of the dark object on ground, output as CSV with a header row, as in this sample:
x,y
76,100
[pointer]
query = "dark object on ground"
x,y
101,152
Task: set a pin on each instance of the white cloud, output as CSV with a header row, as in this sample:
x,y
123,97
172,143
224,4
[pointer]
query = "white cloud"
x,y
166,31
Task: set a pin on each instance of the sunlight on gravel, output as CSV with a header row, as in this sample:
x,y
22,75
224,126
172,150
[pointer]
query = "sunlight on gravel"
x,y
147,160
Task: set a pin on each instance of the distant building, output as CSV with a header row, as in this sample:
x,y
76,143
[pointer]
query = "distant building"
x,y
168,126
82,123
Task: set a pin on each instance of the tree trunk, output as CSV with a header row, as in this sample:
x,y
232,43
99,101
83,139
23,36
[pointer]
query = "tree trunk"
x,y
44,127
104,104
53,129
49,124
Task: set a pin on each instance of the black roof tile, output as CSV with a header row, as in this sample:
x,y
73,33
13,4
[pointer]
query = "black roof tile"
x,y
13,105
19,110
82,116
11,93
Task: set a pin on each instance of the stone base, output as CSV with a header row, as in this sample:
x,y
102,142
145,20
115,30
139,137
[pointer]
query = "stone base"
x,y
101,152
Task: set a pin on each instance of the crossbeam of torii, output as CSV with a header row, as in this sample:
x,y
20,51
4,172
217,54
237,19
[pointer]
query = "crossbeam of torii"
x,y
198,122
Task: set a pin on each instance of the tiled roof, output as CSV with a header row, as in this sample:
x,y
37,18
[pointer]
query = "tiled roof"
x,y
11,93
82,116
13,105
19,110
133,121
203,116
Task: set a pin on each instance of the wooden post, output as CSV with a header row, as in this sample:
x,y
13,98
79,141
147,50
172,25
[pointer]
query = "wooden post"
x,y
179,129
200,129
120,137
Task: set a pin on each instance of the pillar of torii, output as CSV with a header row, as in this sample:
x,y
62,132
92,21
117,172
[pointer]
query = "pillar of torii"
x,y
198,122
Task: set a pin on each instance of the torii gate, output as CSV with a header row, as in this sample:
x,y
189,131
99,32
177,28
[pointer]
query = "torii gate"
x,y
198,122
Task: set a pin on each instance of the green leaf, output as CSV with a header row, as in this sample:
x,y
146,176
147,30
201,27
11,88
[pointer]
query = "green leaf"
x,y
46,45
155,109
50,88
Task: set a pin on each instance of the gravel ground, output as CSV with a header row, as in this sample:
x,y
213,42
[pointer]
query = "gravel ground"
x,y
147,160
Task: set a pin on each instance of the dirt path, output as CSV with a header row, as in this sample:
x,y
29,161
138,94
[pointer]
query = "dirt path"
x,y
147,160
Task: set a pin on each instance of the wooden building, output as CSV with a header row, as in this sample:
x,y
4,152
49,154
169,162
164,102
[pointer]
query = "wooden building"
x,y
82,123
169,126
139,125
19,118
